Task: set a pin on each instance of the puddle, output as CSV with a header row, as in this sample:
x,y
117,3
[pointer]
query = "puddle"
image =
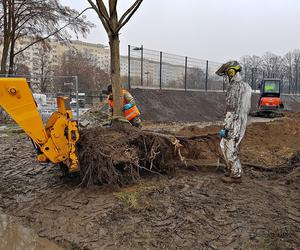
x,y
17,237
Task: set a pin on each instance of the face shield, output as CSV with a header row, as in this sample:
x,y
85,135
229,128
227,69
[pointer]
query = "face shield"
x,y
221,71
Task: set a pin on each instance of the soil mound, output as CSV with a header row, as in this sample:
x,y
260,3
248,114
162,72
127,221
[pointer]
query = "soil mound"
x,y
269,144
176,106
192,106
98,115
272,144
196,130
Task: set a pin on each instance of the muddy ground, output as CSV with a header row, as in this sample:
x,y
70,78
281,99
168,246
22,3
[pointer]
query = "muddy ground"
x,y
190,209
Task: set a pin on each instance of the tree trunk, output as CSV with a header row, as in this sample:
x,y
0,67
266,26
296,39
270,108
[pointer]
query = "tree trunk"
x,y
12,39
4,56
5,37
114,43
11,57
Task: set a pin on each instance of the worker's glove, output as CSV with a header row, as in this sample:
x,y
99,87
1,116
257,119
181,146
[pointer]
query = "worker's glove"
x,y
224,133
128,106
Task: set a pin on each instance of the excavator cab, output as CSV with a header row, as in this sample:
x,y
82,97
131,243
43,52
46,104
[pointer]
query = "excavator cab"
x,y
55,141
270,104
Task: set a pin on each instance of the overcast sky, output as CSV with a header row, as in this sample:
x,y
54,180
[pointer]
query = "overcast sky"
x,y
216,30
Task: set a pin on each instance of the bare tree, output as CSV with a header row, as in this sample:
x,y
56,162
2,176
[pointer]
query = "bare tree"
x,y
252,69
112,24
91,77
195,78
272,65
36,20
20,67
42,64
296,66
288,69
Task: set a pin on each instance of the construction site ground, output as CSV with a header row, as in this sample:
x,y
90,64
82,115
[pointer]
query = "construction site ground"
x,y
190,209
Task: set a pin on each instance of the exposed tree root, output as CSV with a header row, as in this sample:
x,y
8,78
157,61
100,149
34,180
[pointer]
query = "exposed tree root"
x,y
121,155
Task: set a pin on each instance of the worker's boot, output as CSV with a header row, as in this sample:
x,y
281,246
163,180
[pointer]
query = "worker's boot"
x,y
227,173
136,122
230,179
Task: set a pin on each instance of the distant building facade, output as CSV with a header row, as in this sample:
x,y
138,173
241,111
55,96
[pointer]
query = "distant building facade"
x,y
35,56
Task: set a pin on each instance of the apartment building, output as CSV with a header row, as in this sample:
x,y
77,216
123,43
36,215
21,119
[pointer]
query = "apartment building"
x,y
36,57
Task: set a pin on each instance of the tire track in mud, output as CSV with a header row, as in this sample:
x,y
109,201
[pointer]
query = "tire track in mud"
x,y
192,210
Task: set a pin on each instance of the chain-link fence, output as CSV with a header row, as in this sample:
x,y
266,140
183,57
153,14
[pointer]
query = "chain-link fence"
x,y
154,69
46,89
146,68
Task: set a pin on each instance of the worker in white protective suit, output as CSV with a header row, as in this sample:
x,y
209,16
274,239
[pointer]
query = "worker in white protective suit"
x,y
238,104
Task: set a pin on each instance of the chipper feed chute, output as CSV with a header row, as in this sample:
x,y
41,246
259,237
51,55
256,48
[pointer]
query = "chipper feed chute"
x,y
55,142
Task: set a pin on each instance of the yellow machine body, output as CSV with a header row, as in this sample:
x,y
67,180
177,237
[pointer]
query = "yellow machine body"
x,y
56,142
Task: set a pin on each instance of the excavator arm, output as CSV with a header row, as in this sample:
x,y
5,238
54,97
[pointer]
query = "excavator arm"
x,y
56,142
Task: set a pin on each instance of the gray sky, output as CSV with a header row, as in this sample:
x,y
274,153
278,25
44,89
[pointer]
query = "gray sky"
x,y
216,30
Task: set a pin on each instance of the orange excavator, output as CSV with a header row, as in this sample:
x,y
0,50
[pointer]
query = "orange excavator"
x,y
270,103
56,141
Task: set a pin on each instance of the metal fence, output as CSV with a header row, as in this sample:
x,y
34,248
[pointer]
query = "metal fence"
x,y
154,69
45,90
159,70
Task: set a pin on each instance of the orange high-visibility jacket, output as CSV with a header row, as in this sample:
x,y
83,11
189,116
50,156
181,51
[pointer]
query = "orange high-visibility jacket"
x,y
129,113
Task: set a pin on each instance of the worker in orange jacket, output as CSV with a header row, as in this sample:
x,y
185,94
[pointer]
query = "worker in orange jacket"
x,y
131,112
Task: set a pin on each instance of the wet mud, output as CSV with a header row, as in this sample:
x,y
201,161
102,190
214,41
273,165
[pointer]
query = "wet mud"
x,y
14,236
191,209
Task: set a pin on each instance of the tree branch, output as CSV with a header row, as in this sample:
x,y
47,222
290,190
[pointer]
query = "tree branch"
x,y
104,21
128,14
52,34
102,9
112,7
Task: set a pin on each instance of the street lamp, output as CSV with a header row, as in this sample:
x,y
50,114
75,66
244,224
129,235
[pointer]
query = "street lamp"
x,y
138,48
147,73
142,61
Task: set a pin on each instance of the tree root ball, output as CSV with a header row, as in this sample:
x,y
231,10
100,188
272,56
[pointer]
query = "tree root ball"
x,y
121,154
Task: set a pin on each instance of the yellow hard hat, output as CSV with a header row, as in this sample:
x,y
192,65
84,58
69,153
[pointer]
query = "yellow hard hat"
x,y
229,65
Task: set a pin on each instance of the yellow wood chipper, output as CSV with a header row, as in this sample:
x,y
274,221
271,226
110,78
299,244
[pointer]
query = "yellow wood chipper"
x,y
56,141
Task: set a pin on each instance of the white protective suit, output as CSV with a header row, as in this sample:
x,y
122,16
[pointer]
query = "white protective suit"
x,y
238,104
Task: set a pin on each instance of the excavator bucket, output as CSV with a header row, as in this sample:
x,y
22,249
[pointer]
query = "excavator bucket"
x,y
55,142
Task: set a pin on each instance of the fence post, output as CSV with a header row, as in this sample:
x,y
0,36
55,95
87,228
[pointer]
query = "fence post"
x,y
129,85
76,91
252,77
185,73
142,64
206,76
160,70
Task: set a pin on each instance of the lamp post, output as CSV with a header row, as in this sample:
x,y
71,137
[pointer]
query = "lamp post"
x,y
142,61
147,73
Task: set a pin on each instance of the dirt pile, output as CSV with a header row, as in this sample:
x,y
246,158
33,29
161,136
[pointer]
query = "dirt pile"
x,y
98,115
191,106
176,106
268,144
272,144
